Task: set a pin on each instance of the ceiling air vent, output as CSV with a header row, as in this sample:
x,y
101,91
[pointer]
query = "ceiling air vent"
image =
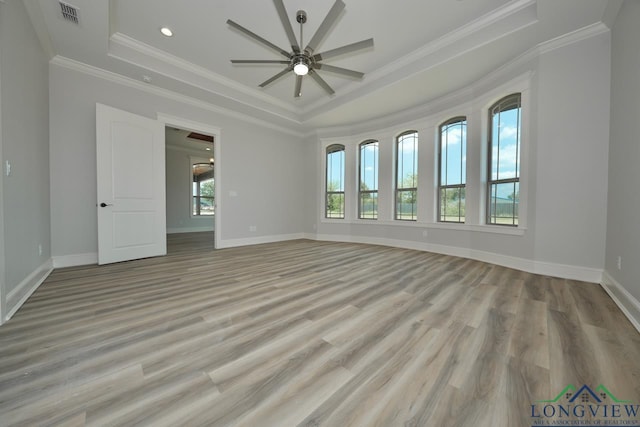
x,y
69,13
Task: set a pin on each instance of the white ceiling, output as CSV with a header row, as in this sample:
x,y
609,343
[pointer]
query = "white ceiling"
x,y
423,49
179,138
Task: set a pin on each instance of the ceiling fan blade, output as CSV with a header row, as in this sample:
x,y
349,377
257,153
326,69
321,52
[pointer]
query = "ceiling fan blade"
x,y
323,29
257,37
339,70
276,77
321,82
282,12
298,90
344,49
259,61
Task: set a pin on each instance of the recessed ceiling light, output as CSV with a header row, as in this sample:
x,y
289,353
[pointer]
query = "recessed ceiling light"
x,y
166,31
208,149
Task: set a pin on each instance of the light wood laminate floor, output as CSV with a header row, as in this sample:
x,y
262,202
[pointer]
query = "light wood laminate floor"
x,y
306,333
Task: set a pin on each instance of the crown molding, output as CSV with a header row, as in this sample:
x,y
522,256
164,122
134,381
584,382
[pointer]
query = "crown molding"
x,y
100,73
419,112
469,30
185,71
465,94
573,37
512,17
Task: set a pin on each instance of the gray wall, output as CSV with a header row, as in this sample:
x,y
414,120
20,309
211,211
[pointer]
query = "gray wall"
x,y
260,167
566,204
623,225
178,170
25,144
572,139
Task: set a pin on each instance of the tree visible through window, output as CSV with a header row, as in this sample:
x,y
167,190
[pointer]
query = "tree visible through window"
x,y
452,165
504,161
407,176
203,189
368,192
335,182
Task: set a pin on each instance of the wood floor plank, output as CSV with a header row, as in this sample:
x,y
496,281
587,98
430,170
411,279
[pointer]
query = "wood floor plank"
x,y
530,338
374,365
571,353
306,333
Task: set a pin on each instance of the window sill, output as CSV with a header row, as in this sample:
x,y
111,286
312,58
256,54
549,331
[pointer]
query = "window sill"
x,y
477,228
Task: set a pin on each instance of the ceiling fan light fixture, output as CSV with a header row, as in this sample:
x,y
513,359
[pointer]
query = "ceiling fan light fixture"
x,y
301,68
301,60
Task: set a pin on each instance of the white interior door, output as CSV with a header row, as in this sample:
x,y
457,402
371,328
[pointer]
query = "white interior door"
x,y
131,186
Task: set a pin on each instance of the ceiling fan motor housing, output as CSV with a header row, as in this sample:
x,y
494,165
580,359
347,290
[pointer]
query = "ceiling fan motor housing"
x,y
301,16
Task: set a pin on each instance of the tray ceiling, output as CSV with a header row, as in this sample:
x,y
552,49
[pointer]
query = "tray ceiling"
x,y
423,49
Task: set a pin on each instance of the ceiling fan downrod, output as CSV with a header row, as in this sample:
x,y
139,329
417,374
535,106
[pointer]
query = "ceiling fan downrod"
x,y
301,17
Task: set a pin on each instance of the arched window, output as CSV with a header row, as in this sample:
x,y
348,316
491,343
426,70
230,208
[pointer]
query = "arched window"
x,y
504,161
452,174
368,188
334,200
407,175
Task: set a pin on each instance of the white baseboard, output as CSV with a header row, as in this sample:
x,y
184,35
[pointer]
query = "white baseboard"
x,y
627,303
23,291
189,230
232,243
75,260
573,272
531,266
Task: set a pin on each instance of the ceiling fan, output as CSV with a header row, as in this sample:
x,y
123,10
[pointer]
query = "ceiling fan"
x,y
303,62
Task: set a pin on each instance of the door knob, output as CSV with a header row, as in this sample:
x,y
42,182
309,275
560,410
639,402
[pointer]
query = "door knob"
x,y
104,205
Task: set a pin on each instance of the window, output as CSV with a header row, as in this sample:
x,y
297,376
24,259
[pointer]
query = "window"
x,y
504,161
203,189
452,166
368,189
407,176
335,182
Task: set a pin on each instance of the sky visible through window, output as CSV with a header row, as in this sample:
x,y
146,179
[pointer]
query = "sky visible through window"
x,y
335,171
505,151
369,169
408,160
454,154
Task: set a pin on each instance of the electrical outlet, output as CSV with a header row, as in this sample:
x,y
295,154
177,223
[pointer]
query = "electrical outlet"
x,y
253,228
425,233
40,249
619,263
7,167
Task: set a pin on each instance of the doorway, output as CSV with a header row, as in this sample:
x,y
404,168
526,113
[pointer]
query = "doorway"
x,y
192,183
190,187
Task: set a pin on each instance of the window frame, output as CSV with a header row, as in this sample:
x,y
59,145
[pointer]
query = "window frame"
x,y
462,186
375,191
397,188
508,99
196,198
330,149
